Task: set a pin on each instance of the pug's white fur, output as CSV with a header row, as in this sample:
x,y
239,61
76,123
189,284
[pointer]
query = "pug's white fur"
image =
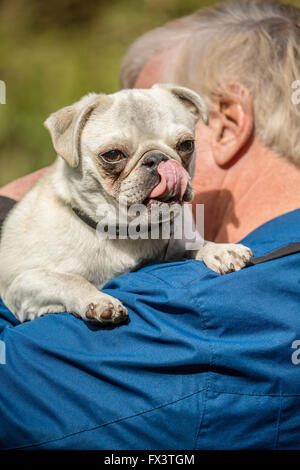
x,y
51,260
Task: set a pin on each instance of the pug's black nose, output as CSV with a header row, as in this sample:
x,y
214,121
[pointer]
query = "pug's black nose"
x,y
152,160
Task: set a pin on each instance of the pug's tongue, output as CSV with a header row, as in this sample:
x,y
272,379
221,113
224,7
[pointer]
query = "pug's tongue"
x,y
173,181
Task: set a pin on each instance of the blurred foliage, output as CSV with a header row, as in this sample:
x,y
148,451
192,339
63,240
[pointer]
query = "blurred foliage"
x,y
54,52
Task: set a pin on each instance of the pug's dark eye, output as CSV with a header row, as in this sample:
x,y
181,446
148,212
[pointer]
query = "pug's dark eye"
x,y
113,156
187,146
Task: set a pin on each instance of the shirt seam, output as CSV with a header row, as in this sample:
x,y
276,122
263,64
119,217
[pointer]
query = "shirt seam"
x,y
108,423
203,313
175,284
278,425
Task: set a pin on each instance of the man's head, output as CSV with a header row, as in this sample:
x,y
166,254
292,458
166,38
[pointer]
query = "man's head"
x,y
243,57
227,52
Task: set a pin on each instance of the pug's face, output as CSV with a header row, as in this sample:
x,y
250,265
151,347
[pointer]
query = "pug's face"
x,y
138,144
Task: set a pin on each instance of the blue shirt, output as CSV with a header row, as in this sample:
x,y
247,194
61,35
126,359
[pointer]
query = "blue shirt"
x,y
206,361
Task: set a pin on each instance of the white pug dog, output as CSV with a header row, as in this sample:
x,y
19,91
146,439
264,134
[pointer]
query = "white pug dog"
x,y
134,144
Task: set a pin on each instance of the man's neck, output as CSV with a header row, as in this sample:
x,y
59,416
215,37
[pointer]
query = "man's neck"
x,y
256,189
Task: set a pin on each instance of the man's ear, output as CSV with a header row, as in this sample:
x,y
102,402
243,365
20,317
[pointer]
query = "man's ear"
x,y
65,127
189,98
232,122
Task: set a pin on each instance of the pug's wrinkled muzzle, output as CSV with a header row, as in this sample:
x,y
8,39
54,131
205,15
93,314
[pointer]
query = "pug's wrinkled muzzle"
x,y
173,181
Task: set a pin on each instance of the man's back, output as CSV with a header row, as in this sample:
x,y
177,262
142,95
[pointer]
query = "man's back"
x,y
207,361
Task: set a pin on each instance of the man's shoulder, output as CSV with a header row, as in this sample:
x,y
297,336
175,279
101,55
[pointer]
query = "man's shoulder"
x,y
179,274
192,279
273,235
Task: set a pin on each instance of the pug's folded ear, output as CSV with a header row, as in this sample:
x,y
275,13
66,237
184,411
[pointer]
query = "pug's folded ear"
x,y
189,98
65,127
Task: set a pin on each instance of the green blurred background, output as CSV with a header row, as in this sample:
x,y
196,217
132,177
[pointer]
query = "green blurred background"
x,y
54,52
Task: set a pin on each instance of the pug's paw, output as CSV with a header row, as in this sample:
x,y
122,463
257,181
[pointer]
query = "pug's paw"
x,y
224,258
106,310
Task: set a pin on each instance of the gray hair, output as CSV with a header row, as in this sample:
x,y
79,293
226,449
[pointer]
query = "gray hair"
x,y
256,43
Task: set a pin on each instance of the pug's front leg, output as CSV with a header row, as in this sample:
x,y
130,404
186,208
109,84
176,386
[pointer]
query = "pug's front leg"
x,y
37,292
224,257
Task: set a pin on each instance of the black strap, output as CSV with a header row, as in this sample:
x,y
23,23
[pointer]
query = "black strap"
x,y
93,224
286,250
85,218
6,204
